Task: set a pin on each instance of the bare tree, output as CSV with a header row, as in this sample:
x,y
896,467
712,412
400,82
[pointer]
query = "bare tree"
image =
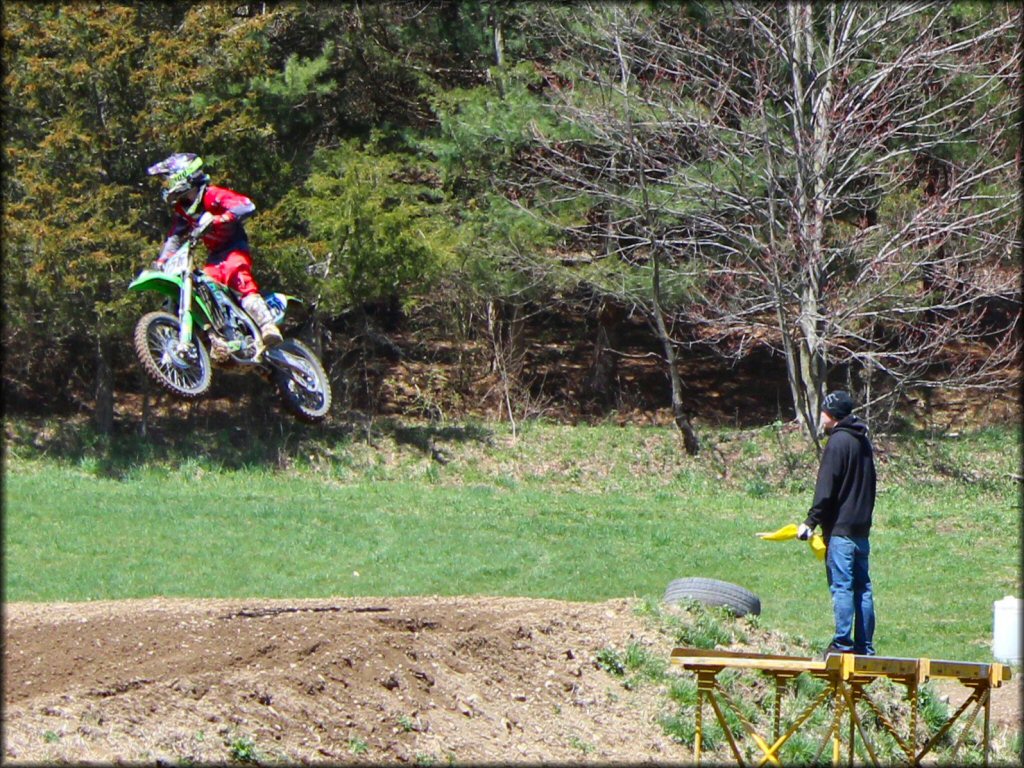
x,y
837,180
606,169
883,232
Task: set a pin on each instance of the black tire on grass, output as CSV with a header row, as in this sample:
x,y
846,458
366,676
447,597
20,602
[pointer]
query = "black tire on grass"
x,y
736,599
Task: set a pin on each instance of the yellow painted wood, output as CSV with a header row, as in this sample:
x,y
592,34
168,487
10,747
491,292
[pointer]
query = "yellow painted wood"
x,y
846,676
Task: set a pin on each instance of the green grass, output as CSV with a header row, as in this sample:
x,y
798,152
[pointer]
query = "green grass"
x,y
572,513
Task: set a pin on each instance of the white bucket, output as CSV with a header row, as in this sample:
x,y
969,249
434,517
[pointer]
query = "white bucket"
x,y
1006,636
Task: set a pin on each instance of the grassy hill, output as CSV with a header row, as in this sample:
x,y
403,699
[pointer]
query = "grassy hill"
x,y
574,513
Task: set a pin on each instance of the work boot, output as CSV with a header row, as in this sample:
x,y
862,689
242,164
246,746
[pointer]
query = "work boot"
x,y
834,650
258,310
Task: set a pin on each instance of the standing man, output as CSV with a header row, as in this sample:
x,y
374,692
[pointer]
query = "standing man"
x,y
844,499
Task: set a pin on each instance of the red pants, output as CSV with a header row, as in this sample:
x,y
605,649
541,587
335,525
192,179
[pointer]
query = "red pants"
x,y
234,271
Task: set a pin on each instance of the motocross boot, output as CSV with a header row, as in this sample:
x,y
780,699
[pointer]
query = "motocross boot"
x,y
258,310
219,350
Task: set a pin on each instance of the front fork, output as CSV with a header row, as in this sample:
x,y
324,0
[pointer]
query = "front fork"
x,y
185,315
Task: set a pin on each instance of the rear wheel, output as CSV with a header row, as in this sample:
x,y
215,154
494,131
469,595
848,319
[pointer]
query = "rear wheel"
x,y
185,372
305,391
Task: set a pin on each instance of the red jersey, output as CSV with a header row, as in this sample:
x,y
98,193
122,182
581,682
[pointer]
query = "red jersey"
x,y
225,233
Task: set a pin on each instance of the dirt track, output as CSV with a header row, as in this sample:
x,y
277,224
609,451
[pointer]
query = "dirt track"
x,y
364,680
418,680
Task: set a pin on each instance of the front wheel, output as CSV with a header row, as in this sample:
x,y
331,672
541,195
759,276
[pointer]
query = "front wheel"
x,y
300,378
186,372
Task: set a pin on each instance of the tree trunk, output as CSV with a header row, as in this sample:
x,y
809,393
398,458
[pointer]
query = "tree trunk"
x,y
811,351
499,42
812,104
679,415
604,367
506,337
104,405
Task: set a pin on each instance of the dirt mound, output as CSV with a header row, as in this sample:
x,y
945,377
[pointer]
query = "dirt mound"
x,y
424,680
427,681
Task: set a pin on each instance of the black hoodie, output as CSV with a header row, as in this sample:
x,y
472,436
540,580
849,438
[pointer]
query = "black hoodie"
x,y
844,496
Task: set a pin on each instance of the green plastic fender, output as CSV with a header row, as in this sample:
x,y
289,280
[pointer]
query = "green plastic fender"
x,y
170,286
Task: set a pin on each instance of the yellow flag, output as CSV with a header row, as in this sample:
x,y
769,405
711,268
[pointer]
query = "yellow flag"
x,y
818,545
784,533
787,532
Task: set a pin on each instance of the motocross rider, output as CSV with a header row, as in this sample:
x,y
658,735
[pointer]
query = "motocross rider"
x,y
215,215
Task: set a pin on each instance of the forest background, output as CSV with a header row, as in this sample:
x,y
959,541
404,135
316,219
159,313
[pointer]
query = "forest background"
x,y
712,211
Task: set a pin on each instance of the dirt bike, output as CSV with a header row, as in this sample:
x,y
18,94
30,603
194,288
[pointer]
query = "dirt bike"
x,y
171,344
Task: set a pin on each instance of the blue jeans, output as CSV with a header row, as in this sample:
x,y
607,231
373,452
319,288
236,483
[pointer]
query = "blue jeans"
x,y
846,565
